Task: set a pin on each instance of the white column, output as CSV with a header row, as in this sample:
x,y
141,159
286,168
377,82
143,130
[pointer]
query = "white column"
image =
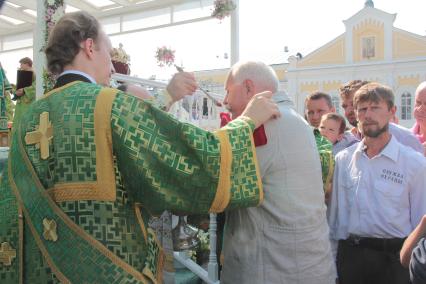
x,y
349,44
388,30
235,34
38,54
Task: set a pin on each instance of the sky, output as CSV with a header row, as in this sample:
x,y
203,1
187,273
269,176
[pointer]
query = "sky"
x,y
266,27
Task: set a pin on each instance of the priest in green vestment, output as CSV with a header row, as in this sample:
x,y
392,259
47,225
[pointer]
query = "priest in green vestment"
x,y
89,165
6,105
24,96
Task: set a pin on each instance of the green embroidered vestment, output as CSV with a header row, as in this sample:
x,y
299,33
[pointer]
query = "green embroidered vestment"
x,y
23,103
113,161
325,149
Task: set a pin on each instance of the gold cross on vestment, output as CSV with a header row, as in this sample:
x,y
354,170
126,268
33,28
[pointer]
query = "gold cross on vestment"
x,y
7,254
49,230
41,136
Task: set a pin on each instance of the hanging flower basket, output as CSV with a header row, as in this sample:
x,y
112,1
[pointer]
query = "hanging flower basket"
x,y
223,8
121,60
165,56
54,10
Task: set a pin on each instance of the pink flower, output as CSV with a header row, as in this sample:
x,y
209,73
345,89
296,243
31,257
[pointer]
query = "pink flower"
x,y
165,56
223,8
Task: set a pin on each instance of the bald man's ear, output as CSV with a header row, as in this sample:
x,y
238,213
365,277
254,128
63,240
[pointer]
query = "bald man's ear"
x,y
249,87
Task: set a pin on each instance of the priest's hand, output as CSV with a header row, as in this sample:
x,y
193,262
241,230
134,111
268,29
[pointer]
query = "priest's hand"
x,y
261,108
182,84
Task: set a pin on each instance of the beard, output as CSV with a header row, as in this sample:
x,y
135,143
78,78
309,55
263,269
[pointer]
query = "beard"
x,y
352,119
374,133
354,123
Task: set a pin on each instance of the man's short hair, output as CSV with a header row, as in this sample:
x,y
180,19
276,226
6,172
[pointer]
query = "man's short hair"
x,y
262,75
65,39
319,95
374,92
26,60
336,117
351,87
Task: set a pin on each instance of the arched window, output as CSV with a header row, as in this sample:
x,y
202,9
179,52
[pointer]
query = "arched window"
x,y
406,106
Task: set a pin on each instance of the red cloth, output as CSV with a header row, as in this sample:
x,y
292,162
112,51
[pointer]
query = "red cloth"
x,y
225,117
259,134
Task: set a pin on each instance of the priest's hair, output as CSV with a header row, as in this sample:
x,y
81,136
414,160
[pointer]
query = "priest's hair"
x,y
65,39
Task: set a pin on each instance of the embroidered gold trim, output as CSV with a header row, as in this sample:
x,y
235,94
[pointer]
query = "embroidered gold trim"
x,y
223,192
103,139
7,254
104,189
73,226
50,232
148,273
160,263
158,278
41,136
34,233
21,243
79,191
59,89
140,220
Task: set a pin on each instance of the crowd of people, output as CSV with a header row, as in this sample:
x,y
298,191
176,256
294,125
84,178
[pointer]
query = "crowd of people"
x,y
318,201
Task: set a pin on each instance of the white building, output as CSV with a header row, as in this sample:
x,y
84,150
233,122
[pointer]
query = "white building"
x,y
371,48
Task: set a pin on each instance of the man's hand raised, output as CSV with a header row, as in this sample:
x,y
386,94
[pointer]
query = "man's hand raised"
x,y
261,108
182,84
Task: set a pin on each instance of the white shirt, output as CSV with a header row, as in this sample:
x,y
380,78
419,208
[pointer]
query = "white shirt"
x,y
286,238
406,137
381,197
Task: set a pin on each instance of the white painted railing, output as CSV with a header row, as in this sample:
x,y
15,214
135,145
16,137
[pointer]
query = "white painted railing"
x,y
202,112
197,109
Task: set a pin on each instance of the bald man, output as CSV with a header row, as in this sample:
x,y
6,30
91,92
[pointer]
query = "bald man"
x,y
419,128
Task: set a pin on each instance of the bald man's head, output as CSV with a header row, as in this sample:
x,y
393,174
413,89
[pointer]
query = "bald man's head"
x,y
420,104
421,88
